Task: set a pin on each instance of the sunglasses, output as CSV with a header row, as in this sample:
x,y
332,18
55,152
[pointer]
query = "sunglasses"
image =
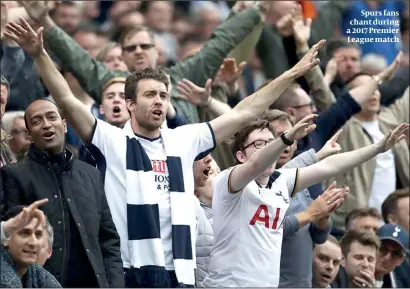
x,y
132,48
396,254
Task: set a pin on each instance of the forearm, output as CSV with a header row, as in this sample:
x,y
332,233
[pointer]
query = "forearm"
x,y
257,103
322,223
363,92
319,89
320,233
91,74
52,78
339,163
217,108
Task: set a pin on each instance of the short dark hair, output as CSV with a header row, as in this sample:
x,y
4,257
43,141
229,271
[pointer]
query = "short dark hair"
x,y
364,237
131,83
46,99
336,44
389,205
360,213
242,136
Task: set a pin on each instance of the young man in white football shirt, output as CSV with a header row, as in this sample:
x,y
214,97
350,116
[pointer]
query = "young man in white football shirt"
x,y
250,201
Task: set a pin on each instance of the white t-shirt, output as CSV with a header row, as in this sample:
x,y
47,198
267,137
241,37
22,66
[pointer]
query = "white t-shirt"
x,y
111,141
248,231
384,180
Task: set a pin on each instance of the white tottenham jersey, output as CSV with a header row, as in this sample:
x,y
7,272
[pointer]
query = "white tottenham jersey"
x,y
111,141
248,230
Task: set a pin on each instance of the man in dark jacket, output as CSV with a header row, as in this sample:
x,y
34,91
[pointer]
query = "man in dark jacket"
x,y
87,246
21,250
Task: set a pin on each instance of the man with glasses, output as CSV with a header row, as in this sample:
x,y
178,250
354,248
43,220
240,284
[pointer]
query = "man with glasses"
x,y
394,241
251,199
15,127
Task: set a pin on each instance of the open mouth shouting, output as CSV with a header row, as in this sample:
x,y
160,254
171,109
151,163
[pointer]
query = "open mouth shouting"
x,y
206,172
116,111
157,113
48,136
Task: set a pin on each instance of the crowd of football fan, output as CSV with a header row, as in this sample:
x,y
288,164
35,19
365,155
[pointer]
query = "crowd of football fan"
x,y
204,144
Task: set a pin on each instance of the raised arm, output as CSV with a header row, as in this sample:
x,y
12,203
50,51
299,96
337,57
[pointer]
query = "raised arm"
x,y
90,73
225,38
260,161
340,163
75,112
256,104
320,91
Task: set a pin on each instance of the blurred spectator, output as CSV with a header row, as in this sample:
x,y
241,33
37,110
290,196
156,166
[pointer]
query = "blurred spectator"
x,y
14,126
364,218
19,255
129,19
373,64
359,250
326,262
67,15
206,18
205,171
348,62
373,181
158,17
86,36
394,242
395,208
111,56
182,26
6,157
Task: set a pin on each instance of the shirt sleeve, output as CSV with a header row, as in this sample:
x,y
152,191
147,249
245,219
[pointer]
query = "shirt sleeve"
x,y
109,139
291,176
199,139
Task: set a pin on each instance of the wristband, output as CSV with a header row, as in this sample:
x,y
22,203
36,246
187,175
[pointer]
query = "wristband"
x,y
285,140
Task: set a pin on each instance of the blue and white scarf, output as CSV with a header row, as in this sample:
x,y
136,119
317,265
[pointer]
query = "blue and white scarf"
x,y
144,238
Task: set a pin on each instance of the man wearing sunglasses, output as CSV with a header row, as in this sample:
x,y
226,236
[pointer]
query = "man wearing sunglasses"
x,y
394,241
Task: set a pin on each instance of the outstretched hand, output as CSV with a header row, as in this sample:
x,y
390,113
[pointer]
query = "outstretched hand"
x,y
393,137
230,72
331,147
302,128
26,37
328,202
389,72
197,95
308,61
25,217
301,28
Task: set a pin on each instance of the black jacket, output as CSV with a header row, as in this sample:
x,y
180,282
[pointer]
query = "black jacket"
x,y
75,187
